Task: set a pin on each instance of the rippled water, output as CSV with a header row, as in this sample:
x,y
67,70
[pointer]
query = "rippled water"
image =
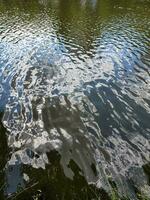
x,y
74,99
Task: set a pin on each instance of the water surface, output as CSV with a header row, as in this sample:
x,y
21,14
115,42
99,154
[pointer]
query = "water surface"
x,y
74,99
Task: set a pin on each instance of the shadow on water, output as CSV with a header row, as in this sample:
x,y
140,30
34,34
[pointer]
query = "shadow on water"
x,y
51,183
3,157
75,155
65,174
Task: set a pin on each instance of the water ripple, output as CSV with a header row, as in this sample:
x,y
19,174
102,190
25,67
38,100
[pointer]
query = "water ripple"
x,y
80,87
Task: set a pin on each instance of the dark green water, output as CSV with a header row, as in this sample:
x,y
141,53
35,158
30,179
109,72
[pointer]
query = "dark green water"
x,y
74,99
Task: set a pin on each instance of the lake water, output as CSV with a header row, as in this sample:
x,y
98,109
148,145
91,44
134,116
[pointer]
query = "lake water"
x,y
74,99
